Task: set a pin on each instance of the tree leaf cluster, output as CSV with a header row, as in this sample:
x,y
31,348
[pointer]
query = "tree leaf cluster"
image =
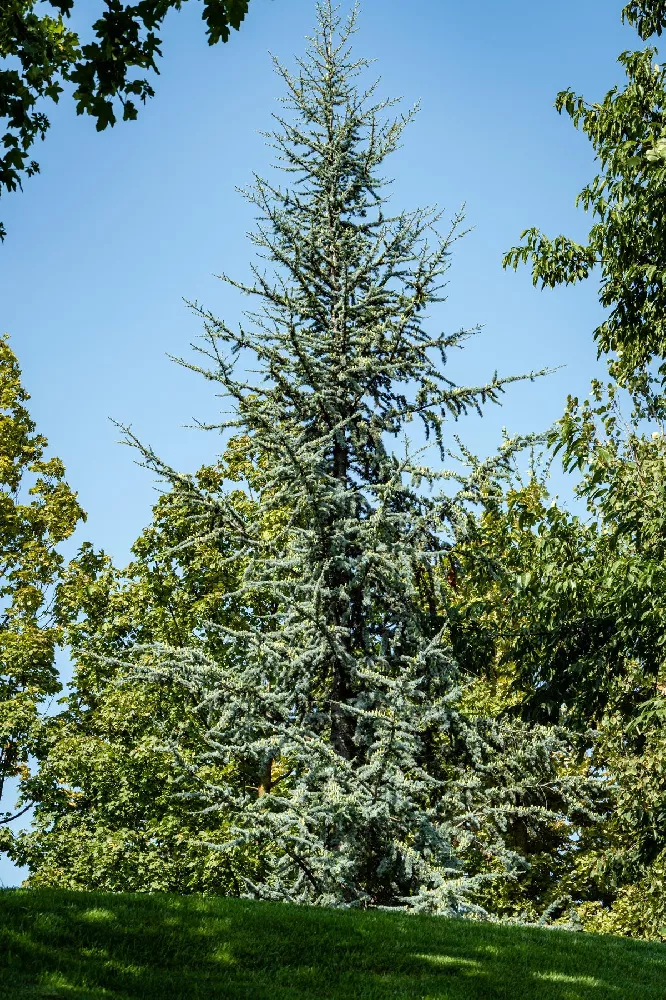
x,y
573,626
624,246
41,55
38,511
111,807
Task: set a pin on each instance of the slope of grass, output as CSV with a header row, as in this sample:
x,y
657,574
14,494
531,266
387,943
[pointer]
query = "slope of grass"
x,y
91,946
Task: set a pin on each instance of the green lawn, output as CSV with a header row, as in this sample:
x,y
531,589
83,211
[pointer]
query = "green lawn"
x,y
94,945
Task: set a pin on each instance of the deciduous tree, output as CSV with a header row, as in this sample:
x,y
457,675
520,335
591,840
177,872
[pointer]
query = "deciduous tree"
x,y
41,52
38,511
109,811
568,616
626,245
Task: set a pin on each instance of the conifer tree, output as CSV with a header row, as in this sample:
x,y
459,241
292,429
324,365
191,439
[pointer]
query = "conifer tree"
x,y
365,785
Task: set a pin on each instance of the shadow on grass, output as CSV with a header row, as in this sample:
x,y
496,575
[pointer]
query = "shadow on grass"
x,y
90,946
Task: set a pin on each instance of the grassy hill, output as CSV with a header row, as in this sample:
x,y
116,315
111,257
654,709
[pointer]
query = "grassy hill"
x,y
91,946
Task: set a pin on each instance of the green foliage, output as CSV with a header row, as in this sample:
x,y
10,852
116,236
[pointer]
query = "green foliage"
x,y
572,618
96,945
495,612
626,199
41,53
126,39
37,512
647,16
109,809
589,617
44,50
624,483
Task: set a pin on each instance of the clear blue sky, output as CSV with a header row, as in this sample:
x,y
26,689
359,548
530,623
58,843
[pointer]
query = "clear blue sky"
x,y
120,226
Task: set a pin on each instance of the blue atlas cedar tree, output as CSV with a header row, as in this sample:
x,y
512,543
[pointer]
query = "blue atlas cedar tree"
x,y
365,784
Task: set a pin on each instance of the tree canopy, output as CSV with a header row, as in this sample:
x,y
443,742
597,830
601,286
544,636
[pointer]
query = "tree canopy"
x,y
625,245
108,812
38,511
42,54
